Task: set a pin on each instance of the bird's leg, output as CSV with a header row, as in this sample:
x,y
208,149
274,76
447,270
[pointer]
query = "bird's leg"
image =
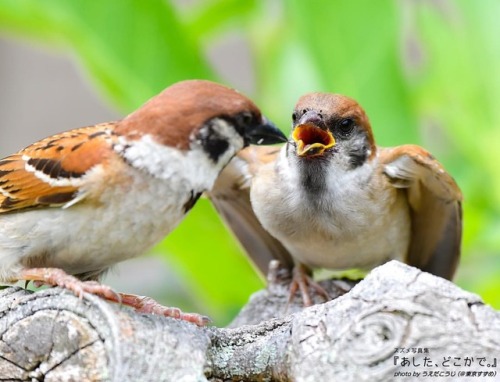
x,y
57,277
303,281
144,304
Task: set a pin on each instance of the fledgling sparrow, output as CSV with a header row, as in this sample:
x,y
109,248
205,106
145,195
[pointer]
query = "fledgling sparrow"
x,y
330,198
74,204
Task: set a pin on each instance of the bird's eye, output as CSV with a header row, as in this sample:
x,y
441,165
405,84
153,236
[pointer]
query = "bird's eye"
x,y
246,119
346,126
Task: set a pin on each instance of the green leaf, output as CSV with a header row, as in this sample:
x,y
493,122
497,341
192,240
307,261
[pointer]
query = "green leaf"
x,y
354,45
211,16
457,91
424,71
133,49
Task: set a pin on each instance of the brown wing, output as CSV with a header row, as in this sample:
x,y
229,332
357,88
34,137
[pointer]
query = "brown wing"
x,y
49,172
435,206
231,198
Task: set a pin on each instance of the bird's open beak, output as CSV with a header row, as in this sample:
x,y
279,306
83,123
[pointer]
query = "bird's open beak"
x,y
265,134
312,140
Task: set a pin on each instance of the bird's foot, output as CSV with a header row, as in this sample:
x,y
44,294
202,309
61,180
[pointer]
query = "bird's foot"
x,y
57,277
144,304
302,281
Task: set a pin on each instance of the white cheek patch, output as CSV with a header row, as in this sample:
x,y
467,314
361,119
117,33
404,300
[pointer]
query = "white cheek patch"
x,y
168,163
223,131
158,160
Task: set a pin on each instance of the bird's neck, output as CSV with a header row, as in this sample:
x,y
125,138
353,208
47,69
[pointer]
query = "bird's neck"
x,y
168,163
315,178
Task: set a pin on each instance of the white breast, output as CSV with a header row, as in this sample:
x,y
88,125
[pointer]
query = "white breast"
x,y
121,216
344,227
87,237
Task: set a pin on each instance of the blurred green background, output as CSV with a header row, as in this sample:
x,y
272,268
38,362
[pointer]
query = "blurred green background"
x,y
426,72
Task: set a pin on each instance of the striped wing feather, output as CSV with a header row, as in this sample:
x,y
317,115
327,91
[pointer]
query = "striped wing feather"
x,y
50,171
435,207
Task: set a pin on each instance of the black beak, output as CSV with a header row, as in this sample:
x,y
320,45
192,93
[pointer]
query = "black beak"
x,y
264,134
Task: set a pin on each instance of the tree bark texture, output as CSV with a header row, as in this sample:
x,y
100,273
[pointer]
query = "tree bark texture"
x,y
395,323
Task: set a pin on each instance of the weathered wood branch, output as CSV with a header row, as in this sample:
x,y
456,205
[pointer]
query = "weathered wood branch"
x,y
54,336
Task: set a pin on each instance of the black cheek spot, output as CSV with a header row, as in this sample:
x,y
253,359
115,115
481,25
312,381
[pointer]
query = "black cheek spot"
x,y
215,148
213,144
191,201
358,158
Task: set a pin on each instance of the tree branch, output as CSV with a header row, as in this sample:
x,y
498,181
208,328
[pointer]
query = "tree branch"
x,y
52,335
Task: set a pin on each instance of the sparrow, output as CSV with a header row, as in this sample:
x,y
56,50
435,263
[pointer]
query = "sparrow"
x,y
331,198
74,204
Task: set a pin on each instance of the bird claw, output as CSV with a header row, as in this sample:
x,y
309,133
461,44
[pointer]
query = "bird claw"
x,y
144,304
303,282
106,292
57,277
278,274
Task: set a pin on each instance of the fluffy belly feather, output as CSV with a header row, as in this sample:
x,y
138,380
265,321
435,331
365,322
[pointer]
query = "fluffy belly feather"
x,y
369,249
82,238
349,229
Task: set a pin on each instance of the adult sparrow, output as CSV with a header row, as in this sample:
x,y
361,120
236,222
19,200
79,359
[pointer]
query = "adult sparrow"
x,y
74,204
